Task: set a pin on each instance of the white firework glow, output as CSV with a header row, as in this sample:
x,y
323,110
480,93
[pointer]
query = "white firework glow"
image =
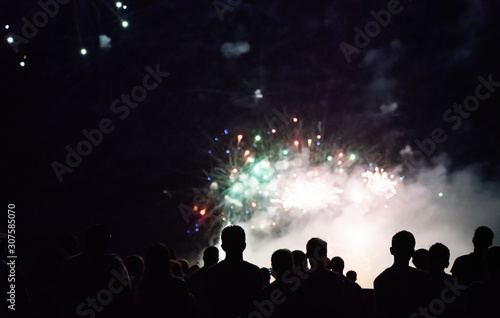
x,y
380,183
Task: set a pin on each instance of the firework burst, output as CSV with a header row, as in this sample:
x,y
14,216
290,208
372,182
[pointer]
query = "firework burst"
x,y
270,180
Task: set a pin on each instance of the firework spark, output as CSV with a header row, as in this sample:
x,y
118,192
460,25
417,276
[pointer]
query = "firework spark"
x,y
380,183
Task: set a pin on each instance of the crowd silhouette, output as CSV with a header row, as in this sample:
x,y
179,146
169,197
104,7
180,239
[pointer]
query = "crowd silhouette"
x,y
97,283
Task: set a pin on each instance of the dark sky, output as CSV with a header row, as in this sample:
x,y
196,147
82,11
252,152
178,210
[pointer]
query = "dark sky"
x,y
427,58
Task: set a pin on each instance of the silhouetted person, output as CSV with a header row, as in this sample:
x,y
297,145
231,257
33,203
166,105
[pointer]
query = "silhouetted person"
x,y
69,243
135,267
279,299
185,267
420,259
337,264
210,256
300,261
161,294
176,268
197,281
400,290
439,259
95,282
482,298
470,268
352,276
351,294
322,289
233,283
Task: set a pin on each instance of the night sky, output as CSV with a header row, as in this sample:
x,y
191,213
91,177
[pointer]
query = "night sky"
x,y
395,89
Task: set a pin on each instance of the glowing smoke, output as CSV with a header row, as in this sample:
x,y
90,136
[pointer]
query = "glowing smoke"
x,y
284,202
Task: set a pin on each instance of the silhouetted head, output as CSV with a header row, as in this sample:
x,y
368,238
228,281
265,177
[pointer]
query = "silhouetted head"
x,y
352,276
439,256
176,268
483,238
233,239
316,249
492,260
210,256
300,260
158,259
97,238
337,264
282,261
421,259
403,245
135,266
69,243
185,266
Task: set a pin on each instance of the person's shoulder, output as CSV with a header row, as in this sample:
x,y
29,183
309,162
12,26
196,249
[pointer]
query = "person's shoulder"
x,y
417,271
73,260
419,275
112,257
201,272
216,267
464,258
251,266
387,272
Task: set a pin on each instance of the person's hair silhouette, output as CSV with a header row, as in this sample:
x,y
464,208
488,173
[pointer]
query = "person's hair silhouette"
x,y
337,264
352,276
210,256
299,261
483,238
403,247
158,260
439,257
281,262
233,241
421,258
316,249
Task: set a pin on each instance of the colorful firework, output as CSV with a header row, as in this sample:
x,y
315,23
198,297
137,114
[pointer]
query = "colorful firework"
x,y
270,180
